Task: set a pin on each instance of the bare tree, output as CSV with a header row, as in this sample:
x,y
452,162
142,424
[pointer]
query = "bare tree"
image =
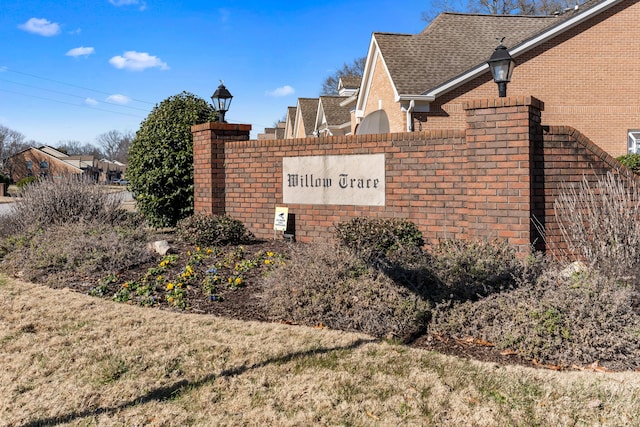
x,y
76,148
11,142
355,69
115,144
497,7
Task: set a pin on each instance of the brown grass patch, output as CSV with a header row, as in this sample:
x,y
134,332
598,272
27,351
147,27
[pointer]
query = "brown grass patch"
x,y
71,359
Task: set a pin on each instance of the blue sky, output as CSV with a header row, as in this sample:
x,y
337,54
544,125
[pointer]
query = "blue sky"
x,y
72,70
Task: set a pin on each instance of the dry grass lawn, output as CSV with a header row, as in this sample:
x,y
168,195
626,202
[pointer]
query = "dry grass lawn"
x,y
70,359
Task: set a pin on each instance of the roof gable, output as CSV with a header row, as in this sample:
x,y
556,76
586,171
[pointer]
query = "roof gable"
x,y
290,122
452,44
334,114
306,115
454,48
563,23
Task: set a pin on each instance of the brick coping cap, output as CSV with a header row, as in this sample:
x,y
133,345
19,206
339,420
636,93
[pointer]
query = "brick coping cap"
x,y
507,101
220,126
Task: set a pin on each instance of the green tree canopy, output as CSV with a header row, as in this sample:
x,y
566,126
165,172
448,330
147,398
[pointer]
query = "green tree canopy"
x,y
160,168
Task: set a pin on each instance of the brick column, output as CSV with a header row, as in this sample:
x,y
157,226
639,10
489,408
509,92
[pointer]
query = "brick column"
x,y
500,136
209,163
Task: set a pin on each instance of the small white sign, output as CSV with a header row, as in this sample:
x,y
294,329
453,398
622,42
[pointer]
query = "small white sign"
x,y
280,221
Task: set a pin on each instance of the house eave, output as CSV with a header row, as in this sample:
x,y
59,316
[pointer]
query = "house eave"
x,y
417,98
523,47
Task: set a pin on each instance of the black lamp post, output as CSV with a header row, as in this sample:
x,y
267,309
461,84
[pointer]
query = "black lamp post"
x,y
221,101
501,65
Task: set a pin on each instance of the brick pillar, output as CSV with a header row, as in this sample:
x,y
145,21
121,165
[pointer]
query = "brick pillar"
x,y
209,163
500,136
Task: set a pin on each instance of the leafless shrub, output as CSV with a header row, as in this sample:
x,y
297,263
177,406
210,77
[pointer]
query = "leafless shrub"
x,y
565,320
82,252
332,286
59,201
601,224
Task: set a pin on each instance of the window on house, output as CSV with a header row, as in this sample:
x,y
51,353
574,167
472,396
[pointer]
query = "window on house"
x,y
29,165
44,165
633,142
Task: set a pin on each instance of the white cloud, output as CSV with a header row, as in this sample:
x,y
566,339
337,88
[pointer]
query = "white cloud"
x,y
118,99
137,61
90,101
119,3
41,26
282,91
80,51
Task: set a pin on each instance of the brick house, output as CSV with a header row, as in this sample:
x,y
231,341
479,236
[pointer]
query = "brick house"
x,y
332,119
582,63
48,162
305,119
290,122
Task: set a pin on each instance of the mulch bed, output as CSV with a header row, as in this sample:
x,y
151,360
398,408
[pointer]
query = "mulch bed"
x,y
243,303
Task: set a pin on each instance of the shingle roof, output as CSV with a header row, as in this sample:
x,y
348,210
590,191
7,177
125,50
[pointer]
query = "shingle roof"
x,y
351,82
291,117
309,110
454,43
334,113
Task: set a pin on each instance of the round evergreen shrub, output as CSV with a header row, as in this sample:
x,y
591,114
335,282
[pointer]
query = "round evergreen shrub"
x,y
26,181
160,169
378,238
632,161
212,230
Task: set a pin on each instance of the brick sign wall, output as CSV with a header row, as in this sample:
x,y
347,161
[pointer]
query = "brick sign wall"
x,y
485,181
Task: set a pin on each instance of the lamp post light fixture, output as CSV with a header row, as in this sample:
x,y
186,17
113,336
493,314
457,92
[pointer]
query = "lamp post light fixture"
x,y
501,65
221,101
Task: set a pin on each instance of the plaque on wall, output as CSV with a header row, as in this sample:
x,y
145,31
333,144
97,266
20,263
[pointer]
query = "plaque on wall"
x,y
334,180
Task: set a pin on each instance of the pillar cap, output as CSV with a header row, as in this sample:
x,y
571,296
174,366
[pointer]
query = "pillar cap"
x,y
509,101
221,126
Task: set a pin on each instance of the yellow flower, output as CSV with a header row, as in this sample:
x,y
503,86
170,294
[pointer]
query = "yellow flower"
x,y
238,281
179,285
198,248
270,254
170,299
159,278
209,251
169,286
230,279
125,285
268,261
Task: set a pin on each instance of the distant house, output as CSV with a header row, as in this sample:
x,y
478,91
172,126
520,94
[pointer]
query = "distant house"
x,y
583,63
306,113
47,162
290,122
273,133
332,119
